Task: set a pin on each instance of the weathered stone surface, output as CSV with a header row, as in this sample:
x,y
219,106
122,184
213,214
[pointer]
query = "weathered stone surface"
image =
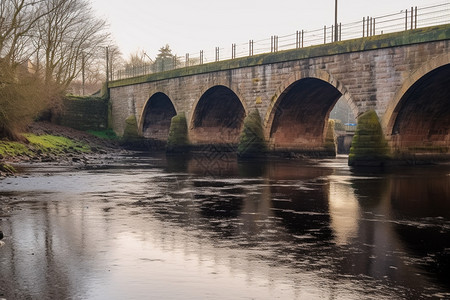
x,y
178,138
369,147
252,141
295,90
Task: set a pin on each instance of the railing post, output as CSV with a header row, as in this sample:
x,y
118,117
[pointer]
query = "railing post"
x,y
415,25
325,34
187,60
303,37
364,25
333,34
297,42
217,53
368,25
340,31
233,51
373,27
406,19
412,17
250,48
274,43
201,57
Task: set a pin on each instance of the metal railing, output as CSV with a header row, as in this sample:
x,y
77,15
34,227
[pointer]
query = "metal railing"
x,y
408,19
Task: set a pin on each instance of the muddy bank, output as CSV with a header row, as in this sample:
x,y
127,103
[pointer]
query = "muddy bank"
x,y
80,148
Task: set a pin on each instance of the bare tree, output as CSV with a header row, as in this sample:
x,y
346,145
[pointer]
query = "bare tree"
x,y
43,47
21,94
68,34
17,22
116,61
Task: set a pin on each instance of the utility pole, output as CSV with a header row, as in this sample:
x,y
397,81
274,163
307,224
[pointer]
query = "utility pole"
x,y
336,31
107,65
82,68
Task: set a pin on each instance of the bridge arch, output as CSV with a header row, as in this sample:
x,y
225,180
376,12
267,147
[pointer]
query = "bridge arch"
x,y
217,117
419,115
156,117
299,110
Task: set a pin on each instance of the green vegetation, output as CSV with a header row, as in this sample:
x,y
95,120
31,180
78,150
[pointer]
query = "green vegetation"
x,y
252,142
178,134
107,134
369,147
7,169
11,149
38,144
55,144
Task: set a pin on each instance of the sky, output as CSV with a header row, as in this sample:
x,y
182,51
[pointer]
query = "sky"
x,y
189,26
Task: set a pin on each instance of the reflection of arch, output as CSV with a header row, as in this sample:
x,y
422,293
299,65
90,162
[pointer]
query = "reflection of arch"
x,y
156,117
299,109
217,117
419,115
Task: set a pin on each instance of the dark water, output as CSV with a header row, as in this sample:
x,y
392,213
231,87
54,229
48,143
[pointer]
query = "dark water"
x,y
211,228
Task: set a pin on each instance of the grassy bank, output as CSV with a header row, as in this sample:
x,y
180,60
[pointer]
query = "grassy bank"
x,y
37,145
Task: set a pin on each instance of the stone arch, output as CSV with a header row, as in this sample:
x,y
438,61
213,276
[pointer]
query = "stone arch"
x,y
217,117
391,112
156,116
299,129
418,118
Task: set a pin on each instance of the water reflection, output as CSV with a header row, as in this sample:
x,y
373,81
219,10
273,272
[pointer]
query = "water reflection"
x,y
344,212
212,227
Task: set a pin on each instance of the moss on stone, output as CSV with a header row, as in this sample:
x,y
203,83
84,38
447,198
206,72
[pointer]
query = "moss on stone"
x,y
330,139
178,134
251,141
369,147
130,133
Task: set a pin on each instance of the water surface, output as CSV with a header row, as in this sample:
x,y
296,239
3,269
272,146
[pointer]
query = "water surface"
x,y
151,227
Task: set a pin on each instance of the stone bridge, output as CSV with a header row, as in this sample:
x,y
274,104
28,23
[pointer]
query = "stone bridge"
x,y
404,77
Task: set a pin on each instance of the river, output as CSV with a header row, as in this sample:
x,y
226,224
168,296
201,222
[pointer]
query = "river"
x,y
209,227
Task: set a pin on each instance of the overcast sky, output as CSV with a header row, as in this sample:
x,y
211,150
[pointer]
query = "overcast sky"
x,y
192,25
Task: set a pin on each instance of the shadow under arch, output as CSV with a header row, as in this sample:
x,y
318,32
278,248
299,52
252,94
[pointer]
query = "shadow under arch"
x,y
297,116
217,117
156,117
418,118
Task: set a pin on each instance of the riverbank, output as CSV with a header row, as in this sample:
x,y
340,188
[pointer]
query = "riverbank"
x,y
47,142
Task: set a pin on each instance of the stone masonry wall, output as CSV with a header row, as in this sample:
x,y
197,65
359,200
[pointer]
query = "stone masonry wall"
x,y
368,79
